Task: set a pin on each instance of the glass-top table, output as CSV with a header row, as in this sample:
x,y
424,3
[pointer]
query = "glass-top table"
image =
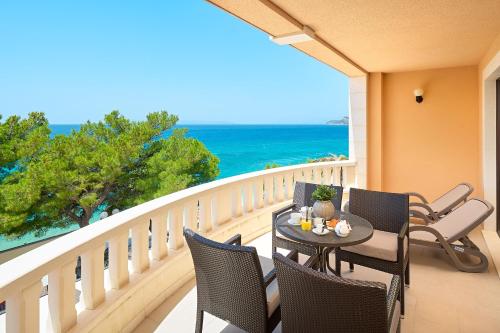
x,y
361,231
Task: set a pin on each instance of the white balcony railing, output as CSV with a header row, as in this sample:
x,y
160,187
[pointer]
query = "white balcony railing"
x,y
119,298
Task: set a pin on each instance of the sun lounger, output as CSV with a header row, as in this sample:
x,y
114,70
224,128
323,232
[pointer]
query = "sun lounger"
x,y
431,212
450,234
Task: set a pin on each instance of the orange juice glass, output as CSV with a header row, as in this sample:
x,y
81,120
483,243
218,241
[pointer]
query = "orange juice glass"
x,y
306,225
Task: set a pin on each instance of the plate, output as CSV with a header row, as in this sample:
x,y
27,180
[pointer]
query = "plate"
x,y
292,223
319,232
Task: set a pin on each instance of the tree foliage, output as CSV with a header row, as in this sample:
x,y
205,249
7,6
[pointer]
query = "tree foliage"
x,y
21,139
116,162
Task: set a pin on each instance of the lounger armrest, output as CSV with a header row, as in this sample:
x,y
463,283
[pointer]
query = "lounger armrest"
x,y
419,214
312,261
418,195
392,296
235,240
272,274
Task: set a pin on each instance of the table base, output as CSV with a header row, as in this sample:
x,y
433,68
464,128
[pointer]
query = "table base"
x,y
324,260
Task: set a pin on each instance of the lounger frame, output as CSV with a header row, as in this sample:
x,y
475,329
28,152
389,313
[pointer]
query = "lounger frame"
x,y
432,216
464,245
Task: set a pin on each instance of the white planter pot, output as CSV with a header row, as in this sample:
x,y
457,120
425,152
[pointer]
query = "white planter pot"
x,y
324,209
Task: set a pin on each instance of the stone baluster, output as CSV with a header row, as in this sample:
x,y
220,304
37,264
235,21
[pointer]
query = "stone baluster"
x,y
327,175
205,214
280,187
62,294
92,268
236,201
23,310
299,175
191,215
289,185
308,172
140,246
317,176
350,176
118,261
269,190
248,197
176,238
221,212
159,249
336,175
258,190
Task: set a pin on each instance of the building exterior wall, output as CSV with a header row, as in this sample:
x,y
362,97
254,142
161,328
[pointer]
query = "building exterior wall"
x,y
488,72
427,147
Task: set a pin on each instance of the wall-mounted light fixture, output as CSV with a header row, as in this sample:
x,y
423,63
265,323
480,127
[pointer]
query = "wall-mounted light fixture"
x,y
419,95
305,35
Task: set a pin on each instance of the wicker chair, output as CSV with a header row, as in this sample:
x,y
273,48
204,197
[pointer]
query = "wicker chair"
x,y
388,249
302,196
316,302
234,283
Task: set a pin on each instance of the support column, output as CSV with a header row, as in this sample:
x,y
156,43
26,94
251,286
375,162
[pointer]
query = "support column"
x,y
357,127
375,132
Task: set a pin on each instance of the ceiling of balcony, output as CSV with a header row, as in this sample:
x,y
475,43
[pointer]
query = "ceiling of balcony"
x,y
383,35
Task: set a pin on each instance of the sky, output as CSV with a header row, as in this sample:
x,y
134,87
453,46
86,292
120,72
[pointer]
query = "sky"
x,y
78,60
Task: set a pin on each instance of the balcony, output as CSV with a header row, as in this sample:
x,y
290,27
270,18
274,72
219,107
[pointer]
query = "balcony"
x,y
396,144
151,289
440,298
158,265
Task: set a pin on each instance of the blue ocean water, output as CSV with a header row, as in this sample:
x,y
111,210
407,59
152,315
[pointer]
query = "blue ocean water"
x,y
243,148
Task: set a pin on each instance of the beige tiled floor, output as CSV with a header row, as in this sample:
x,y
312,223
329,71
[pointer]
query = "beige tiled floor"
x,y
440,299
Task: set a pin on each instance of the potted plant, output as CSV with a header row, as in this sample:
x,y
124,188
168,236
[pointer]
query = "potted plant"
x,y
323,206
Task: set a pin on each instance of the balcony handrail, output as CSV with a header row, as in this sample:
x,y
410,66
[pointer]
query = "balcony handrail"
x,y
78,241
21,272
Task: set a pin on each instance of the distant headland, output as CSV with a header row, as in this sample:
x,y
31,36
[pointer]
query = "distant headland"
x,y
343,121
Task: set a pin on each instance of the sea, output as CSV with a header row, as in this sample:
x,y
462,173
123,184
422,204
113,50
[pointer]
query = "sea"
x,y
241,149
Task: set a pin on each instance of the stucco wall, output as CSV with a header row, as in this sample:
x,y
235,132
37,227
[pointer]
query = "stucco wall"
x,y
492,51
374,132
427,147
488,72
487,58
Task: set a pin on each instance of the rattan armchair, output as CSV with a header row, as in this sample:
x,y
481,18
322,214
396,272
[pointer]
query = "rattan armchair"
x,y
388,249
316,302
302,196
234,283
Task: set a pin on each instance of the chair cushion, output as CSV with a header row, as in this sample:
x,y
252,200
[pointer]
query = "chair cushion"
x,y
396,315
383,245
272,293
279,235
